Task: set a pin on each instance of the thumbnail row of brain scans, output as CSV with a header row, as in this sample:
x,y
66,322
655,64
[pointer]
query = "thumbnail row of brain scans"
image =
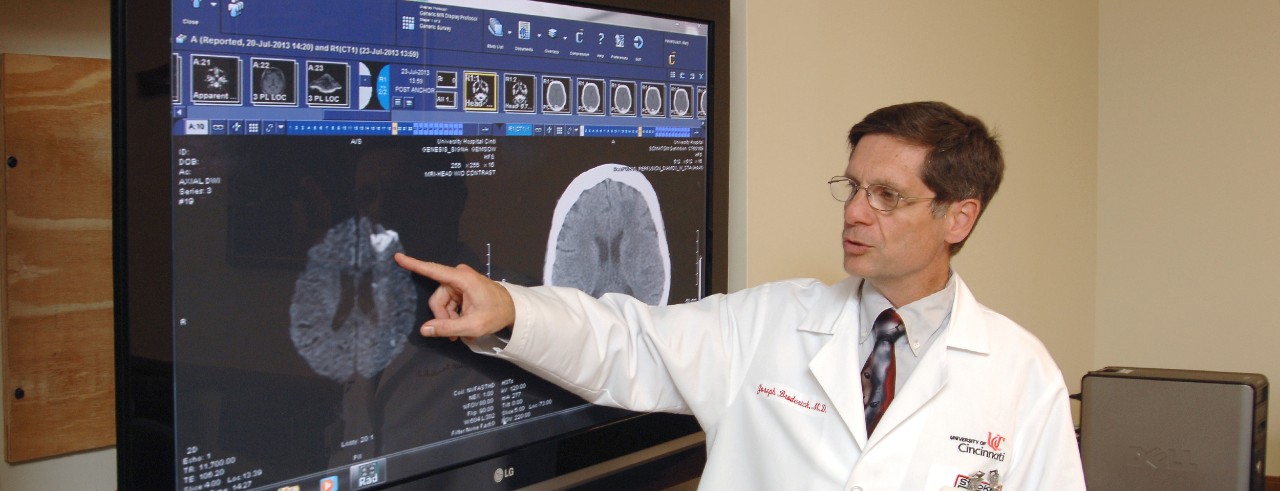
x,y
215,80
552,94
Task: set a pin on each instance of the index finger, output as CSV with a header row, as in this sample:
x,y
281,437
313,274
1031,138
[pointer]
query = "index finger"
x,y
438,272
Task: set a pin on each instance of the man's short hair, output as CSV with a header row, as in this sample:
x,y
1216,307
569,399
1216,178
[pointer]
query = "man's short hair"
x,y
964,159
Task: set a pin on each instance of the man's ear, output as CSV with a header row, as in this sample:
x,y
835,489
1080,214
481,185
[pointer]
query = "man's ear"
x,y
961,217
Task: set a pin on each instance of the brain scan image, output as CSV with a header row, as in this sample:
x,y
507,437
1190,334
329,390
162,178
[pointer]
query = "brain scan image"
x,y
652,101
680,103
622,99
702,101
479,92
519,93
519,90
352,307
590,98
273,81
557,98
607,236
215,79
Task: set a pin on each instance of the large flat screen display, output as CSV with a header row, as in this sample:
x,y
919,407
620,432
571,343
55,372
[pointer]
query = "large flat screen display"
x,y
274,155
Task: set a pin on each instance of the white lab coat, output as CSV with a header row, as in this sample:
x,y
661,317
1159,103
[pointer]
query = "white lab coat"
x,y
771,374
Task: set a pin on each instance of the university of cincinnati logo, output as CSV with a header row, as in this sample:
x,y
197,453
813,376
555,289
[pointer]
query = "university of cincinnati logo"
x,y
992,448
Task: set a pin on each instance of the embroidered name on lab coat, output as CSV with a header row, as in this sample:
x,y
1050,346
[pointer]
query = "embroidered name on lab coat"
x,y
783,394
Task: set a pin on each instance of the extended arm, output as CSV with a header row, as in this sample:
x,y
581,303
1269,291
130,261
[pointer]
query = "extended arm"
x,y
615,351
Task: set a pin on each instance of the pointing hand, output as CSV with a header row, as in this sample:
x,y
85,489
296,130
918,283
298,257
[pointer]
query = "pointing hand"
x,y
467,304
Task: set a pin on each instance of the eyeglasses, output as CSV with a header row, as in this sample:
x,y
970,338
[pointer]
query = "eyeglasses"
x,y
879,196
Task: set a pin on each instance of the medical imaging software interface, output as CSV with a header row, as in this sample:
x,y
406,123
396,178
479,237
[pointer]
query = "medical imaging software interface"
x,y
312,141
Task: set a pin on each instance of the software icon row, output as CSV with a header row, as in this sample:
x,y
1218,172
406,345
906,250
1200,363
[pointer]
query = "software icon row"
x,y
217,80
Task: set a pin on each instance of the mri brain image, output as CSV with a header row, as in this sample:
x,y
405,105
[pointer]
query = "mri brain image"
x,y
215,79
607,236
479,92
352,307
519,93
273,81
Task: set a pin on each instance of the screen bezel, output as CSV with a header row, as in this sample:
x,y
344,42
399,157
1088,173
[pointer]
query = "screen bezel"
x,y
143,258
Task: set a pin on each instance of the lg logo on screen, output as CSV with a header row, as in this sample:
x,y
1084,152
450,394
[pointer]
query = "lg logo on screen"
x,y
499,474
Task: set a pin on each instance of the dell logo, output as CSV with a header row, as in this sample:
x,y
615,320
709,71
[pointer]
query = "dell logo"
x,y
1161,458
499,474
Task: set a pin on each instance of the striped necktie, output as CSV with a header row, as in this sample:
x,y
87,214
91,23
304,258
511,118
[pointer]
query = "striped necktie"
x,y
879,373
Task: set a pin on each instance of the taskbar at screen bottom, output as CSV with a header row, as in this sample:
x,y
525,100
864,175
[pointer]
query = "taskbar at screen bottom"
x,y
666,448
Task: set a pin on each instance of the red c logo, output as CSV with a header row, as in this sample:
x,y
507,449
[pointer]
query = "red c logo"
x,y
994,441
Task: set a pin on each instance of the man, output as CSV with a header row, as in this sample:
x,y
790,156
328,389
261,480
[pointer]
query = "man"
x,y
895,378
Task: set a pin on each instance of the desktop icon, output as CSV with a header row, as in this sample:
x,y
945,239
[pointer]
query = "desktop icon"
x,y
552,33
329,484
524,31
620,41
495,27
638,42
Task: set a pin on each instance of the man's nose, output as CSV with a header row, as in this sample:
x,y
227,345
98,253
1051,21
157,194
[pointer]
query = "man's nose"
x,y
858,208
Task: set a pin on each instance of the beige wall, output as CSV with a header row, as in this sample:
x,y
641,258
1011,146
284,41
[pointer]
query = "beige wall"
x,y
56,27
1101,232
1188,164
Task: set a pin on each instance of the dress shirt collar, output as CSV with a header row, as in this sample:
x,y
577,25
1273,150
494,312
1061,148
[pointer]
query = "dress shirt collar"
x,y
922,318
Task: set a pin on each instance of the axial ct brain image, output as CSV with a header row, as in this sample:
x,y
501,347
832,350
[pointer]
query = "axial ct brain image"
x,y
680,101
608,237
352,306
622,99
556,96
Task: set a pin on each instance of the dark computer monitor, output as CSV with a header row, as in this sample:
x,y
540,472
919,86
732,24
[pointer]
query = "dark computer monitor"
x,y
272,156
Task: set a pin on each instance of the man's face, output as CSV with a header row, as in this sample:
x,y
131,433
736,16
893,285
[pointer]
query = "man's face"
x,y
903,252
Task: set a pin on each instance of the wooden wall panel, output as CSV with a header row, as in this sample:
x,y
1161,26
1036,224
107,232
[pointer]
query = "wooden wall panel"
x,y
59,383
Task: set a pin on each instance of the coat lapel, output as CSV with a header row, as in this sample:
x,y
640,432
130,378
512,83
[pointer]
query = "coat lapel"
x,y
831,366
925,382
